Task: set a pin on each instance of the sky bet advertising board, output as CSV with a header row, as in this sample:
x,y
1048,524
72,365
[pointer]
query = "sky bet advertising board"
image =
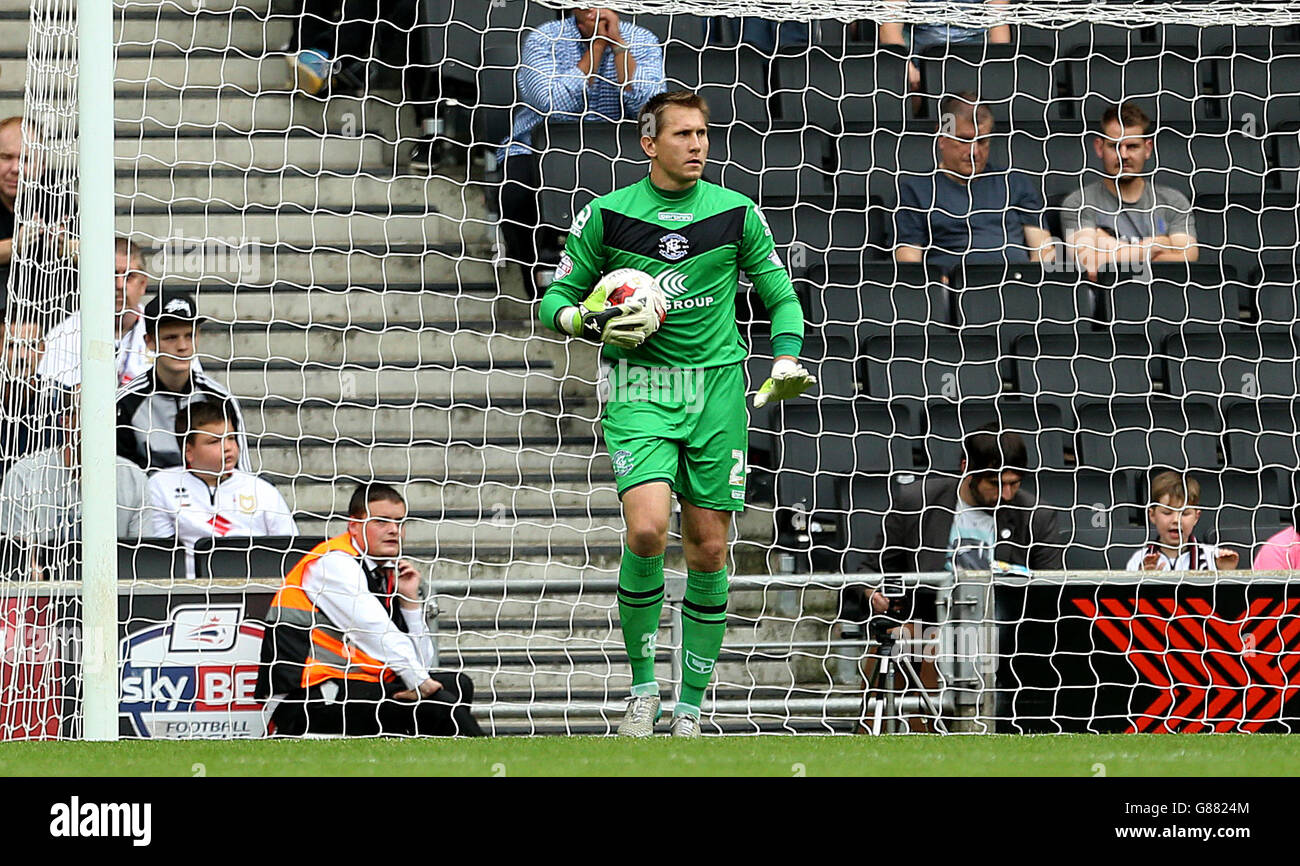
x,y
193,673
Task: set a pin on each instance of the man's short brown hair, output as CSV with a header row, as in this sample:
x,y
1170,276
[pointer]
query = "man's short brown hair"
x,y
1177,487
652,113
1128,114
375,491
129,248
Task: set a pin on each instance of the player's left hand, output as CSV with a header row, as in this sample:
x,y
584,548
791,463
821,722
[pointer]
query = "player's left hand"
x,y
788,379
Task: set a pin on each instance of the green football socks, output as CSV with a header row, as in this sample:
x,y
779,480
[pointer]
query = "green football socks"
x,y
704,619
640,601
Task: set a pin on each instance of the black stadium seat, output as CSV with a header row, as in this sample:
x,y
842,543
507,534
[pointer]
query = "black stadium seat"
x,y
269,556
873,299
828,88
1010,301
733,81
1173,298
928,368
1264,433
1039,424
1068,369
1249,365
1141,433
820,443
580,161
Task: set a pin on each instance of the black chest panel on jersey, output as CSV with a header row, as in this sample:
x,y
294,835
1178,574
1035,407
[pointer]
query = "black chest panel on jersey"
x,y
632,235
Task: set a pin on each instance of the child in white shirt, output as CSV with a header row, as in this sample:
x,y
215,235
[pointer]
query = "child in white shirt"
x,y
1174,515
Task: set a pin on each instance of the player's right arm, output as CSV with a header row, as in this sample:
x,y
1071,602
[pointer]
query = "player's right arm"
x,y
571,307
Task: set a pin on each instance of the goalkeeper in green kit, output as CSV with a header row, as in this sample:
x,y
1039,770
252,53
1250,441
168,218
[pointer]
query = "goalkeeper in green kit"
x,y
674,419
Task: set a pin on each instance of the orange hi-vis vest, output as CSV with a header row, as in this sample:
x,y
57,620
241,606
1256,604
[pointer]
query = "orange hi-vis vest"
x,y
302,647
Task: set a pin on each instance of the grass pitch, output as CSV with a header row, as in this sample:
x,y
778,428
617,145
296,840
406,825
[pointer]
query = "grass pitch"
x,y
911,755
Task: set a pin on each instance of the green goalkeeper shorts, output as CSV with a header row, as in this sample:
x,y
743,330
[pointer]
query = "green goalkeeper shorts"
x,y
688,427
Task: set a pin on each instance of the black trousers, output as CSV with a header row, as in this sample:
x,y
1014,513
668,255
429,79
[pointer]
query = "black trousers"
x,y
528,243
368,709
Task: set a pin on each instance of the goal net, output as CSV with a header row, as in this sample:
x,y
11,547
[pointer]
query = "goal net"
x,y
973,243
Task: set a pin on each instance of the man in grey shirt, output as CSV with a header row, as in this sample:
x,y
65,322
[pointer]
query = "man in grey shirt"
x,y
1125,220
40,499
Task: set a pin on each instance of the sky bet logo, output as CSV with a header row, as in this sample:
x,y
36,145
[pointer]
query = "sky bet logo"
x,y
194,676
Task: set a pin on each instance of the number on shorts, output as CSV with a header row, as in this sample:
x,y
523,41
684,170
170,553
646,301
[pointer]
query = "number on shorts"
x,y
738,471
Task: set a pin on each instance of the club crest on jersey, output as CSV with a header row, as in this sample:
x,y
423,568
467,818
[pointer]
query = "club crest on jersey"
x,y
622,462
247,502
673,246
565,266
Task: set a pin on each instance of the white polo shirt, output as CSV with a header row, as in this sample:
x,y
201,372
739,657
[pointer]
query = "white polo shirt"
x,y
183,506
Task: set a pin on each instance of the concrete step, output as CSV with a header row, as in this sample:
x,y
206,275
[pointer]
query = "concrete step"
x,y
212,267
266,152
341,344
425,420
583,669
319,305
233,110
296,192
181,31
390,381
296,226
146,8
533,533
493,499
430,461
256,73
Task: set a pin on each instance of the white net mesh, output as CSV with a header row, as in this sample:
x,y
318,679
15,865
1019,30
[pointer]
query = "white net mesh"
x,y
367,317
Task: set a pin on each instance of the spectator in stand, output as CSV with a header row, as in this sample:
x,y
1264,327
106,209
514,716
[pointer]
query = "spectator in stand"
x,y
1125,220
968,210
40,499
919,38
27,401
209,496
11,146
348,650
1174,515
348,44
148,405
52,240
589,67
62,360
967,522
1281,552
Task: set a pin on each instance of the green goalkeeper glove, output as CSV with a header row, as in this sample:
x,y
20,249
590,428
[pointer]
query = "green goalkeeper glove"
x,y
788,379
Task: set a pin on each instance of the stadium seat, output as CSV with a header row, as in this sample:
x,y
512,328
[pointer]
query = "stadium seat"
x,y
580,161
922,368
1161,77
1177,296
863,501
870,299
1247,365
1264,433
1248,231
820,443
770,163
1009,301
269,556
829,230
870,160
733,81
1275,292
1235,498
949,424
151,559
1088,496
1103,548
827,89
1016,82
1067,369
1256,81
1144,433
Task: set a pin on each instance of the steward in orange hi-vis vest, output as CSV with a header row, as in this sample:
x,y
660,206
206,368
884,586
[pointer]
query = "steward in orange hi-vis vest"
x,y
301,647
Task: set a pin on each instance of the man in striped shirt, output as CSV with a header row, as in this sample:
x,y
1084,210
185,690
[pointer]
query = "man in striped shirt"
x,y
590,67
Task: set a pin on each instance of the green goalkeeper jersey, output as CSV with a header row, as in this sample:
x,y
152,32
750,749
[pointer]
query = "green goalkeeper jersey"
x,y
695,242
